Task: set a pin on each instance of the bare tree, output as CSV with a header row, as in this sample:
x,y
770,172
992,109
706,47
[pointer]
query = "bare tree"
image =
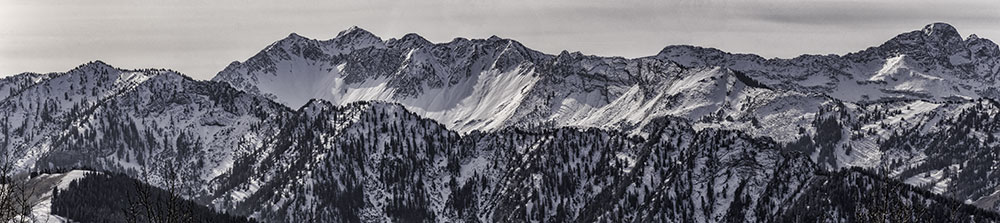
x,y
145,205
15,193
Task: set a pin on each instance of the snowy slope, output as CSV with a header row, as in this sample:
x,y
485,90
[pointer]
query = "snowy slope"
x,y
44,184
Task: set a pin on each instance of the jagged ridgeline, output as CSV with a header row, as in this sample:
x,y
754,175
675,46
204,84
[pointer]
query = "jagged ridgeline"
x,y
357,128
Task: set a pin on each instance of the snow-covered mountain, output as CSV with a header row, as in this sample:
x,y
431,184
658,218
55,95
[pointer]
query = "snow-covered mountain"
x,y
839,109
141,122
493,83
933,63
357,128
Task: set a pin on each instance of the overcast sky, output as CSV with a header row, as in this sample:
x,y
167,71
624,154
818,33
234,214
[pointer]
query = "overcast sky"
x,y
199,38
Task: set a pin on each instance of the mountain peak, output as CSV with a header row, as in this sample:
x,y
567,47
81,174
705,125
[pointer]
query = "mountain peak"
x,y
294,36
410,40
414,36
96,64
357,37
355,31
941,31
933,39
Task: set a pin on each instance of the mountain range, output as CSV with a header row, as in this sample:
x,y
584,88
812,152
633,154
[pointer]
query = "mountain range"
x,y
357,128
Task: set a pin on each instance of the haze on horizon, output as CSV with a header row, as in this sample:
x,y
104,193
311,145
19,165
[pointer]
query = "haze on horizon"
x,y
199,38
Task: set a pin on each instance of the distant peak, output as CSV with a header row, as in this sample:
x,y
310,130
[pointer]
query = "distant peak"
x,y
933,37
939,28
354,31
566,56
356,35
459,40
671,48
679,50
942,32
292,38
96,64
410,40
295,36
413,37
91,66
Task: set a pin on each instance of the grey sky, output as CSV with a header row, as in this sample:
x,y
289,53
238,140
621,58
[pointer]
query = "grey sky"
x,y
199,38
